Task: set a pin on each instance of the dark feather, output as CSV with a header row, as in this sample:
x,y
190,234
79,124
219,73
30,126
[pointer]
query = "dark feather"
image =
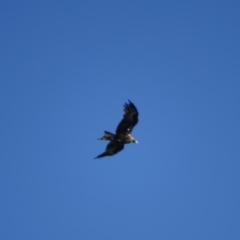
x,y
107,136
112,148
123,131
130,119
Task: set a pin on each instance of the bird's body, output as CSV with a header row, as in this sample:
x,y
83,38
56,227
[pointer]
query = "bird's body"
x,y
123,131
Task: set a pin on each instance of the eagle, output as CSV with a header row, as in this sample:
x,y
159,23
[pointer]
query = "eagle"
x,y
123,131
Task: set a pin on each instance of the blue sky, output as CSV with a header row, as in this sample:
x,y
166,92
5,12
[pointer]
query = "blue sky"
x,y
67,68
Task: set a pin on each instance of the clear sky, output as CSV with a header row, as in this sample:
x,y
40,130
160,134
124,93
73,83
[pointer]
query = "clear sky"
x,y
67,68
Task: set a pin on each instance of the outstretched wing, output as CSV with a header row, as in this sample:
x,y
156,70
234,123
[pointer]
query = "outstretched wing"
x,y
112,148
130,119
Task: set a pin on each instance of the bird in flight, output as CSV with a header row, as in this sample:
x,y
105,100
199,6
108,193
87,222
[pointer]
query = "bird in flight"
x,y
123,131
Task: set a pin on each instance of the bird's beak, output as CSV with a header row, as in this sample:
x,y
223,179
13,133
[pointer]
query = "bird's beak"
x,y
136,141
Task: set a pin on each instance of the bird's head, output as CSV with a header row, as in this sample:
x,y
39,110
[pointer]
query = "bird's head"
x,y
134,140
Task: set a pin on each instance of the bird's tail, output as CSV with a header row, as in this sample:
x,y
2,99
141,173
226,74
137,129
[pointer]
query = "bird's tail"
x,y
107,136
101,155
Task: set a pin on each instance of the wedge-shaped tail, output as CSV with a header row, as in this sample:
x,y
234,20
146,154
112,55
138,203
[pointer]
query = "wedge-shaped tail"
x,y
107,136
123,131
